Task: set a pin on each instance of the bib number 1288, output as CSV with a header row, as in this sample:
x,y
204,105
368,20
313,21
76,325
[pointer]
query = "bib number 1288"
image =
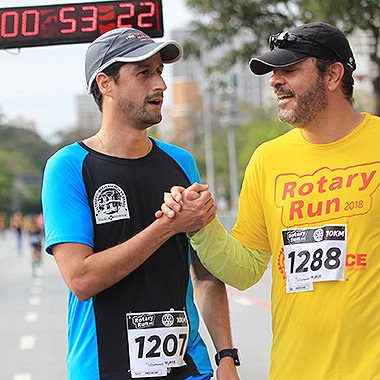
x,y
314,255
315,260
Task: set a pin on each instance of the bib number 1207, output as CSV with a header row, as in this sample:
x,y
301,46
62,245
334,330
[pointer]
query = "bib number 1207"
x,y
157,342
155,345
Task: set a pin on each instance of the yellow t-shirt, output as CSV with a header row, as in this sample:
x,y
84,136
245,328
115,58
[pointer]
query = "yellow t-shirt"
x,y
293,189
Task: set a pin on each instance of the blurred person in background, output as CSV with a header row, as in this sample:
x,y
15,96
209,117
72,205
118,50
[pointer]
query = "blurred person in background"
x,y
17,225
310,201
3,224
35,233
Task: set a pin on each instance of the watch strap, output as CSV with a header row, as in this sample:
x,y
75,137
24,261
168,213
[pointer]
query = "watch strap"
x,y
228,352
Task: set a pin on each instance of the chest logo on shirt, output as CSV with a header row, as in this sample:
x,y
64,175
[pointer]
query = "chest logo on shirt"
x,y
326,194
110,204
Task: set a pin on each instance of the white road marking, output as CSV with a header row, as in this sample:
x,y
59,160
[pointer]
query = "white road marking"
x,y
243,301
37,281
31,317
34,300
27,342
22,376
35,290
246,300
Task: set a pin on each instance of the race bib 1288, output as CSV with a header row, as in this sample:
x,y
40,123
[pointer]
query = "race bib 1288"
x,y
314,255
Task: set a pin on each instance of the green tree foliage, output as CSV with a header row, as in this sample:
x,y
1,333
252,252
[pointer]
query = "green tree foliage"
x,y
247,138
5,185
70,136
21,141
350,15
245,25
23,154
249,23
262,128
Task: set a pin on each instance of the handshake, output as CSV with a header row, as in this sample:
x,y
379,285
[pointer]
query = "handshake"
x,y
187,210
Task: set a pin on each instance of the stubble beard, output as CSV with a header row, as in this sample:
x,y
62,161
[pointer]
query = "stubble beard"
x,y
309,105
138,115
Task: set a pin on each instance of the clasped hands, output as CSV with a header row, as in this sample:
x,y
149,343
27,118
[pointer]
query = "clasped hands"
x,y
189,209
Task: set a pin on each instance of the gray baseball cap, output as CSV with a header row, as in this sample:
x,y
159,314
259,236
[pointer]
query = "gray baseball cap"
x,y
125,45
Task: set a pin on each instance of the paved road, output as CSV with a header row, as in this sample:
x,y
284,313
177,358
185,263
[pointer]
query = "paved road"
x,y
32,317
33,321
251,329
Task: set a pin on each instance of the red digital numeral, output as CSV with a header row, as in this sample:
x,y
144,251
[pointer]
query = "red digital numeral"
x,y
121,18
10,15
64,20
141,16
93,19
12,18
36,22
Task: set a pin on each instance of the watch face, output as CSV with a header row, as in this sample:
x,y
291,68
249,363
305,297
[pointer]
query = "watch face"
x,y
76,23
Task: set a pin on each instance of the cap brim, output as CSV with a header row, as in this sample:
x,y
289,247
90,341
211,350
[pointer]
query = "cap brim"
x,y
171,51
275,58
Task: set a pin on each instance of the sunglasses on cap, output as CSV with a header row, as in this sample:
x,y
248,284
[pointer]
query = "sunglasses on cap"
x,y
285,40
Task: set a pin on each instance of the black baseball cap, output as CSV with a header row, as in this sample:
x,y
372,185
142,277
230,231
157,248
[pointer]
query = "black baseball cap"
x,y
125,45
316,39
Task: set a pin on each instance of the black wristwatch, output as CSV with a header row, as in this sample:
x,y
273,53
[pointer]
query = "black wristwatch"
x,y
231,352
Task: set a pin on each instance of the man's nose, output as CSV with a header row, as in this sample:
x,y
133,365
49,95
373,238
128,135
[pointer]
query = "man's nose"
x,y
276,79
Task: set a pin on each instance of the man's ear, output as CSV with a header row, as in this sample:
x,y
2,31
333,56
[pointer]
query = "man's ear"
x,y
334,75
104,83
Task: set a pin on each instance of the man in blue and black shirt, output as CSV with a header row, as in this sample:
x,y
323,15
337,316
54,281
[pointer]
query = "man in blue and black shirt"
x,y
131,276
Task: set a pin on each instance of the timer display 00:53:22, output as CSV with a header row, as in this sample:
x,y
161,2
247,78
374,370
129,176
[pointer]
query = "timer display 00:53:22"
x,y
76,23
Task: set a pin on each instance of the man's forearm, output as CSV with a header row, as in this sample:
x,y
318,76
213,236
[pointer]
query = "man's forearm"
x,y
212,302
87,274
226,258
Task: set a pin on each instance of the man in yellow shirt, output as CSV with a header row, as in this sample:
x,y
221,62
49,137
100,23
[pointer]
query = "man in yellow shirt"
x,y
310,202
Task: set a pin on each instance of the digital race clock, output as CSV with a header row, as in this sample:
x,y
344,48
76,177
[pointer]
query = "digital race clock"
x,y
75,23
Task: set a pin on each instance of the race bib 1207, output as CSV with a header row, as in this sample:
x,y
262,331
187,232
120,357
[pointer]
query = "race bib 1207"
x,y
157,341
